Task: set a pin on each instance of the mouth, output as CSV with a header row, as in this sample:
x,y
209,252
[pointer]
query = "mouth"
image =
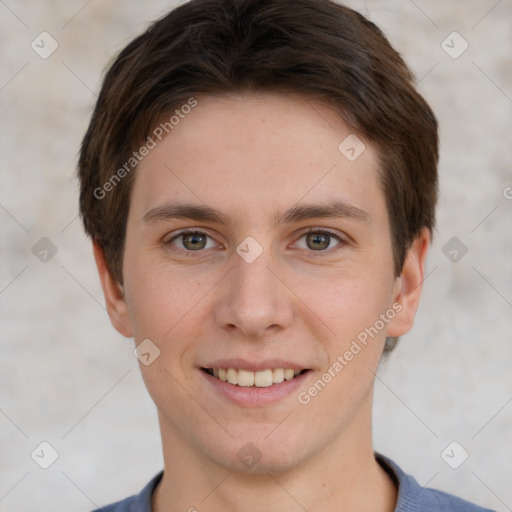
x,y
259,379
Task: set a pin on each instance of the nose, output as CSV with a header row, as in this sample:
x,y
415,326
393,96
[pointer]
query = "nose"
x,y
253,300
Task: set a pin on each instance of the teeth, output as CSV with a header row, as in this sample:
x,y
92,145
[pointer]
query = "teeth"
x,y
278,375
261,379
245,378
289,374
232,376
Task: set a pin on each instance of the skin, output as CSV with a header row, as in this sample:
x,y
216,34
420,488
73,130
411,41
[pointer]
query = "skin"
x,y
253,156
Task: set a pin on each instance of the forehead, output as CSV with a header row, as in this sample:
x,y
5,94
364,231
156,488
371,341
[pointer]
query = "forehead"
x,y
253,152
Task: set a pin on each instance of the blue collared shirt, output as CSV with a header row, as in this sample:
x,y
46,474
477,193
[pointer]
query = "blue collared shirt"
x,y
411,496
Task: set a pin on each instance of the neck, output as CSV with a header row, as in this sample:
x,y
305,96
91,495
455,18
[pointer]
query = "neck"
x,y
343,474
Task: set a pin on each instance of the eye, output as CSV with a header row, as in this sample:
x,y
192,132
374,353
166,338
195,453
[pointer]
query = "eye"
x,y
316,239
320,239
190,240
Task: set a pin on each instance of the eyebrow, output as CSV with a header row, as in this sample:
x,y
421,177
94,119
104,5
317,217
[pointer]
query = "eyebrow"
x,y
300,212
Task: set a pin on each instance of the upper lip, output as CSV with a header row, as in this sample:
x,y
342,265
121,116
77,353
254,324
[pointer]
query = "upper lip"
x,y
254,366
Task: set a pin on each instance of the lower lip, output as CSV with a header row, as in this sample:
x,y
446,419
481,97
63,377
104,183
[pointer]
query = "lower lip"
x,y
253,396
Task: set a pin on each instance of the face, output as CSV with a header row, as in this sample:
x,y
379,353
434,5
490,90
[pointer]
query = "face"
x,y
254,243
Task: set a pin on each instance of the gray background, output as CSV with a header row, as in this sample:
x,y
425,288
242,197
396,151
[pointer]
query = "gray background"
x,y
69,379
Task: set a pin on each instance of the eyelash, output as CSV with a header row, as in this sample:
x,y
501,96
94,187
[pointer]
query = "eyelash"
x,y
321,231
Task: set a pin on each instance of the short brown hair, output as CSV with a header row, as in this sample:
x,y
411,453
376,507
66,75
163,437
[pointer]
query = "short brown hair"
x,y
316,48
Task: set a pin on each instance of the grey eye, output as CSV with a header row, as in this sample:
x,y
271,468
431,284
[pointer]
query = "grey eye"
x,y
318,240
191,241
194,241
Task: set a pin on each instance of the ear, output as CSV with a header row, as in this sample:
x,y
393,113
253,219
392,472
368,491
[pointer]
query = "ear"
x,y
409,285
114,295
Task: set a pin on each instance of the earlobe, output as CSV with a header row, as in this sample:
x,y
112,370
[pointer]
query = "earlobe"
x,y
409,285
113,293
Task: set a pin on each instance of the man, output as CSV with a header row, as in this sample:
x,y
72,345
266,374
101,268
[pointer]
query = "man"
x,y
259,180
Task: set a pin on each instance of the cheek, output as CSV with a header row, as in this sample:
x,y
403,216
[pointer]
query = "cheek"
x,y
349,307
156,297
346,304
166,307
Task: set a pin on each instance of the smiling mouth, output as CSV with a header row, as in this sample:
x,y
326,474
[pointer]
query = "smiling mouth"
x,y
260,379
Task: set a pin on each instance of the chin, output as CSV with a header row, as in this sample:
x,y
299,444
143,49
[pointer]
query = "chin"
x,y
253,455
264,465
